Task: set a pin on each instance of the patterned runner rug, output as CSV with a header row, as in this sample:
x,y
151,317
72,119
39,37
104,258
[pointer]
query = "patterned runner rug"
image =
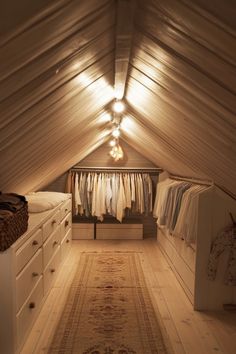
x,y
109,310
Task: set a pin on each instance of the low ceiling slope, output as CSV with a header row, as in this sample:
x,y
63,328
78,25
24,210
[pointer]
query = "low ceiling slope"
x,y
59,62
182,83
57,74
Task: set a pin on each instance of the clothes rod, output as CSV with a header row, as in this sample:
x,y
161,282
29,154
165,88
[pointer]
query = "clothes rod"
x,y
193,180
117,170
203,182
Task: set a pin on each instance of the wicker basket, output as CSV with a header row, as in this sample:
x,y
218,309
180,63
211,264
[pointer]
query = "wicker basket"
x,y
13,218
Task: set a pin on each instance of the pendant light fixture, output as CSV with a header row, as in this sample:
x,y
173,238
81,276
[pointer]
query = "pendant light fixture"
x,y
117,152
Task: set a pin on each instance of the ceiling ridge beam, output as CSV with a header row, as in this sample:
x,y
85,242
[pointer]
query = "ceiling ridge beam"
x,y
124,35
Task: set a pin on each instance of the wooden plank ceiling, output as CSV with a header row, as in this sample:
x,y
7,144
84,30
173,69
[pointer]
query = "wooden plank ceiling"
x,y
62,61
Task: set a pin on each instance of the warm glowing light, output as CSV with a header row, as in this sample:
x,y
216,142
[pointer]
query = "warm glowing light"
x,y
116,133
127,123
112,142
117,152
105,118
97,88
118,107
118,93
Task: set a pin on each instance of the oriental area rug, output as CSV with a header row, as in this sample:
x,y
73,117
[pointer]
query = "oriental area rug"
x,y
109,310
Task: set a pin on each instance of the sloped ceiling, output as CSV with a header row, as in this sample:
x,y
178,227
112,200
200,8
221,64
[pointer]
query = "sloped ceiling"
x,y
60,60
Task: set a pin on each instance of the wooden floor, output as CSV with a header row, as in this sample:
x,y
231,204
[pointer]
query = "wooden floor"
x,y
190,332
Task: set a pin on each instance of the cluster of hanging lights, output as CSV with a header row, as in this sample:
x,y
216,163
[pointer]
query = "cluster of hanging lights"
x,y
117,152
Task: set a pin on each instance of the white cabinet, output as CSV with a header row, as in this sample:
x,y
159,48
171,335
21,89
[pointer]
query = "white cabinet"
x,y
189,263
27,272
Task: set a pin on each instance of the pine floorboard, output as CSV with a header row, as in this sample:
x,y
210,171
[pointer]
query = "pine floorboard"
x,y
190,332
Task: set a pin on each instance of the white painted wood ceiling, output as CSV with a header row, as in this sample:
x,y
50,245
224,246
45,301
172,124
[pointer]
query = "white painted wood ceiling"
x,y
60,61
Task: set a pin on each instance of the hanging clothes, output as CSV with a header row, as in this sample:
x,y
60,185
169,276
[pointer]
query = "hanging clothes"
x,y
176,207
106,193
77,194
94,194
114,194
225,241
127,190
121,200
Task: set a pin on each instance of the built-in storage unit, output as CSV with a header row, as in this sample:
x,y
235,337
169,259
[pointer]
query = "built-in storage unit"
x,y
28,270
83,231
189,262
132,230
108,230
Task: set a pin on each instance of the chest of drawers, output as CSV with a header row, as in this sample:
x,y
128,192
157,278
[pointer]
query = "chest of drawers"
x,y
27,272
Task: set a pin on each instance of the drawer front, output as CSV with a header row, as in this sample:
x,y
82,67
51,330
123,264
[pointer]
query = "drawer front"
x,y
119,226
51,225
51,271
50,246
27,315
66,245
65,225
27,279
66,208
119,234
83,231
26,252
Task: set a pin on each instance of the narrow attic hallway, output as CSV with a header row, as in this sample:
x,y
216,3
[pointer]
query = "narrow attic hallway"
x,y
189,331
117,178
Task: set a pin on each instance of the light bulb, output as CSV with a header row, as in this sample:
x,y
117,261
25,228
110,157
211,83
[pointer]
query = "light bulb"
x,y
116,133
112,142
118,106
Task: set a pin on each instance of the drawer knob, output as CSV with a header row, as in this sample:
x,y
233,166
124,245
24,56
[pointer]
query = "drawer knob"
x,y
66,223
35,243
55,243
66,210
53,270
35,274
54,222
32,305
67,241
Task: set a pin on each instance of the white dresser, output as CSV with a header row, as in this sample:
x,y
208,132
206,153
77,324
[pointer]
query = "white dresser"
x,y
27,271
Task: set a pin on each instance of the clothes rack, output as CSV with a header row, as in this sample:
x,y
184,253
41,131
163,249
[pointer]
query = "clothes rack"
x,y
203,182
150,170
193,180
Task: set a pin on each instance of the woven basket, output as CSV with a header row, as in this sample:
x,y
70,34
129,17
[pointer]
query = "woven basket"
x,y
13,219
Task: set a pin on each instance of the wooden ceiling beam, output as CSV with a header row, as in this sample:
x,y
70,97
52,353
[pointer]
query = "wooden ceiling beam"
x,y
124,35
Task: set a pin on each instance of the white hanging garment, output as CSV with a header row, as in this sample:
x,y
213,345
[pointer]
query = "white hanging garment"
x,y
150,192
81,180
77,194
108,194
127,190
121,201
141,194
132,181
99,195
115,184
94,194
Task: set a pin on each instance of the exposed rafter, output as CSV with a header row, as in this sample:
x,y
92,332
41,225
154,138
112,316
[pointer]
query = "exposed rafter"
x,y
124,34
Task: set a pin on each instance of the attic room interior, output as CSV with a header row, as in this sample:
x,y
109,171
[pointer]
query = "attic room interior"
x,y
118,176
